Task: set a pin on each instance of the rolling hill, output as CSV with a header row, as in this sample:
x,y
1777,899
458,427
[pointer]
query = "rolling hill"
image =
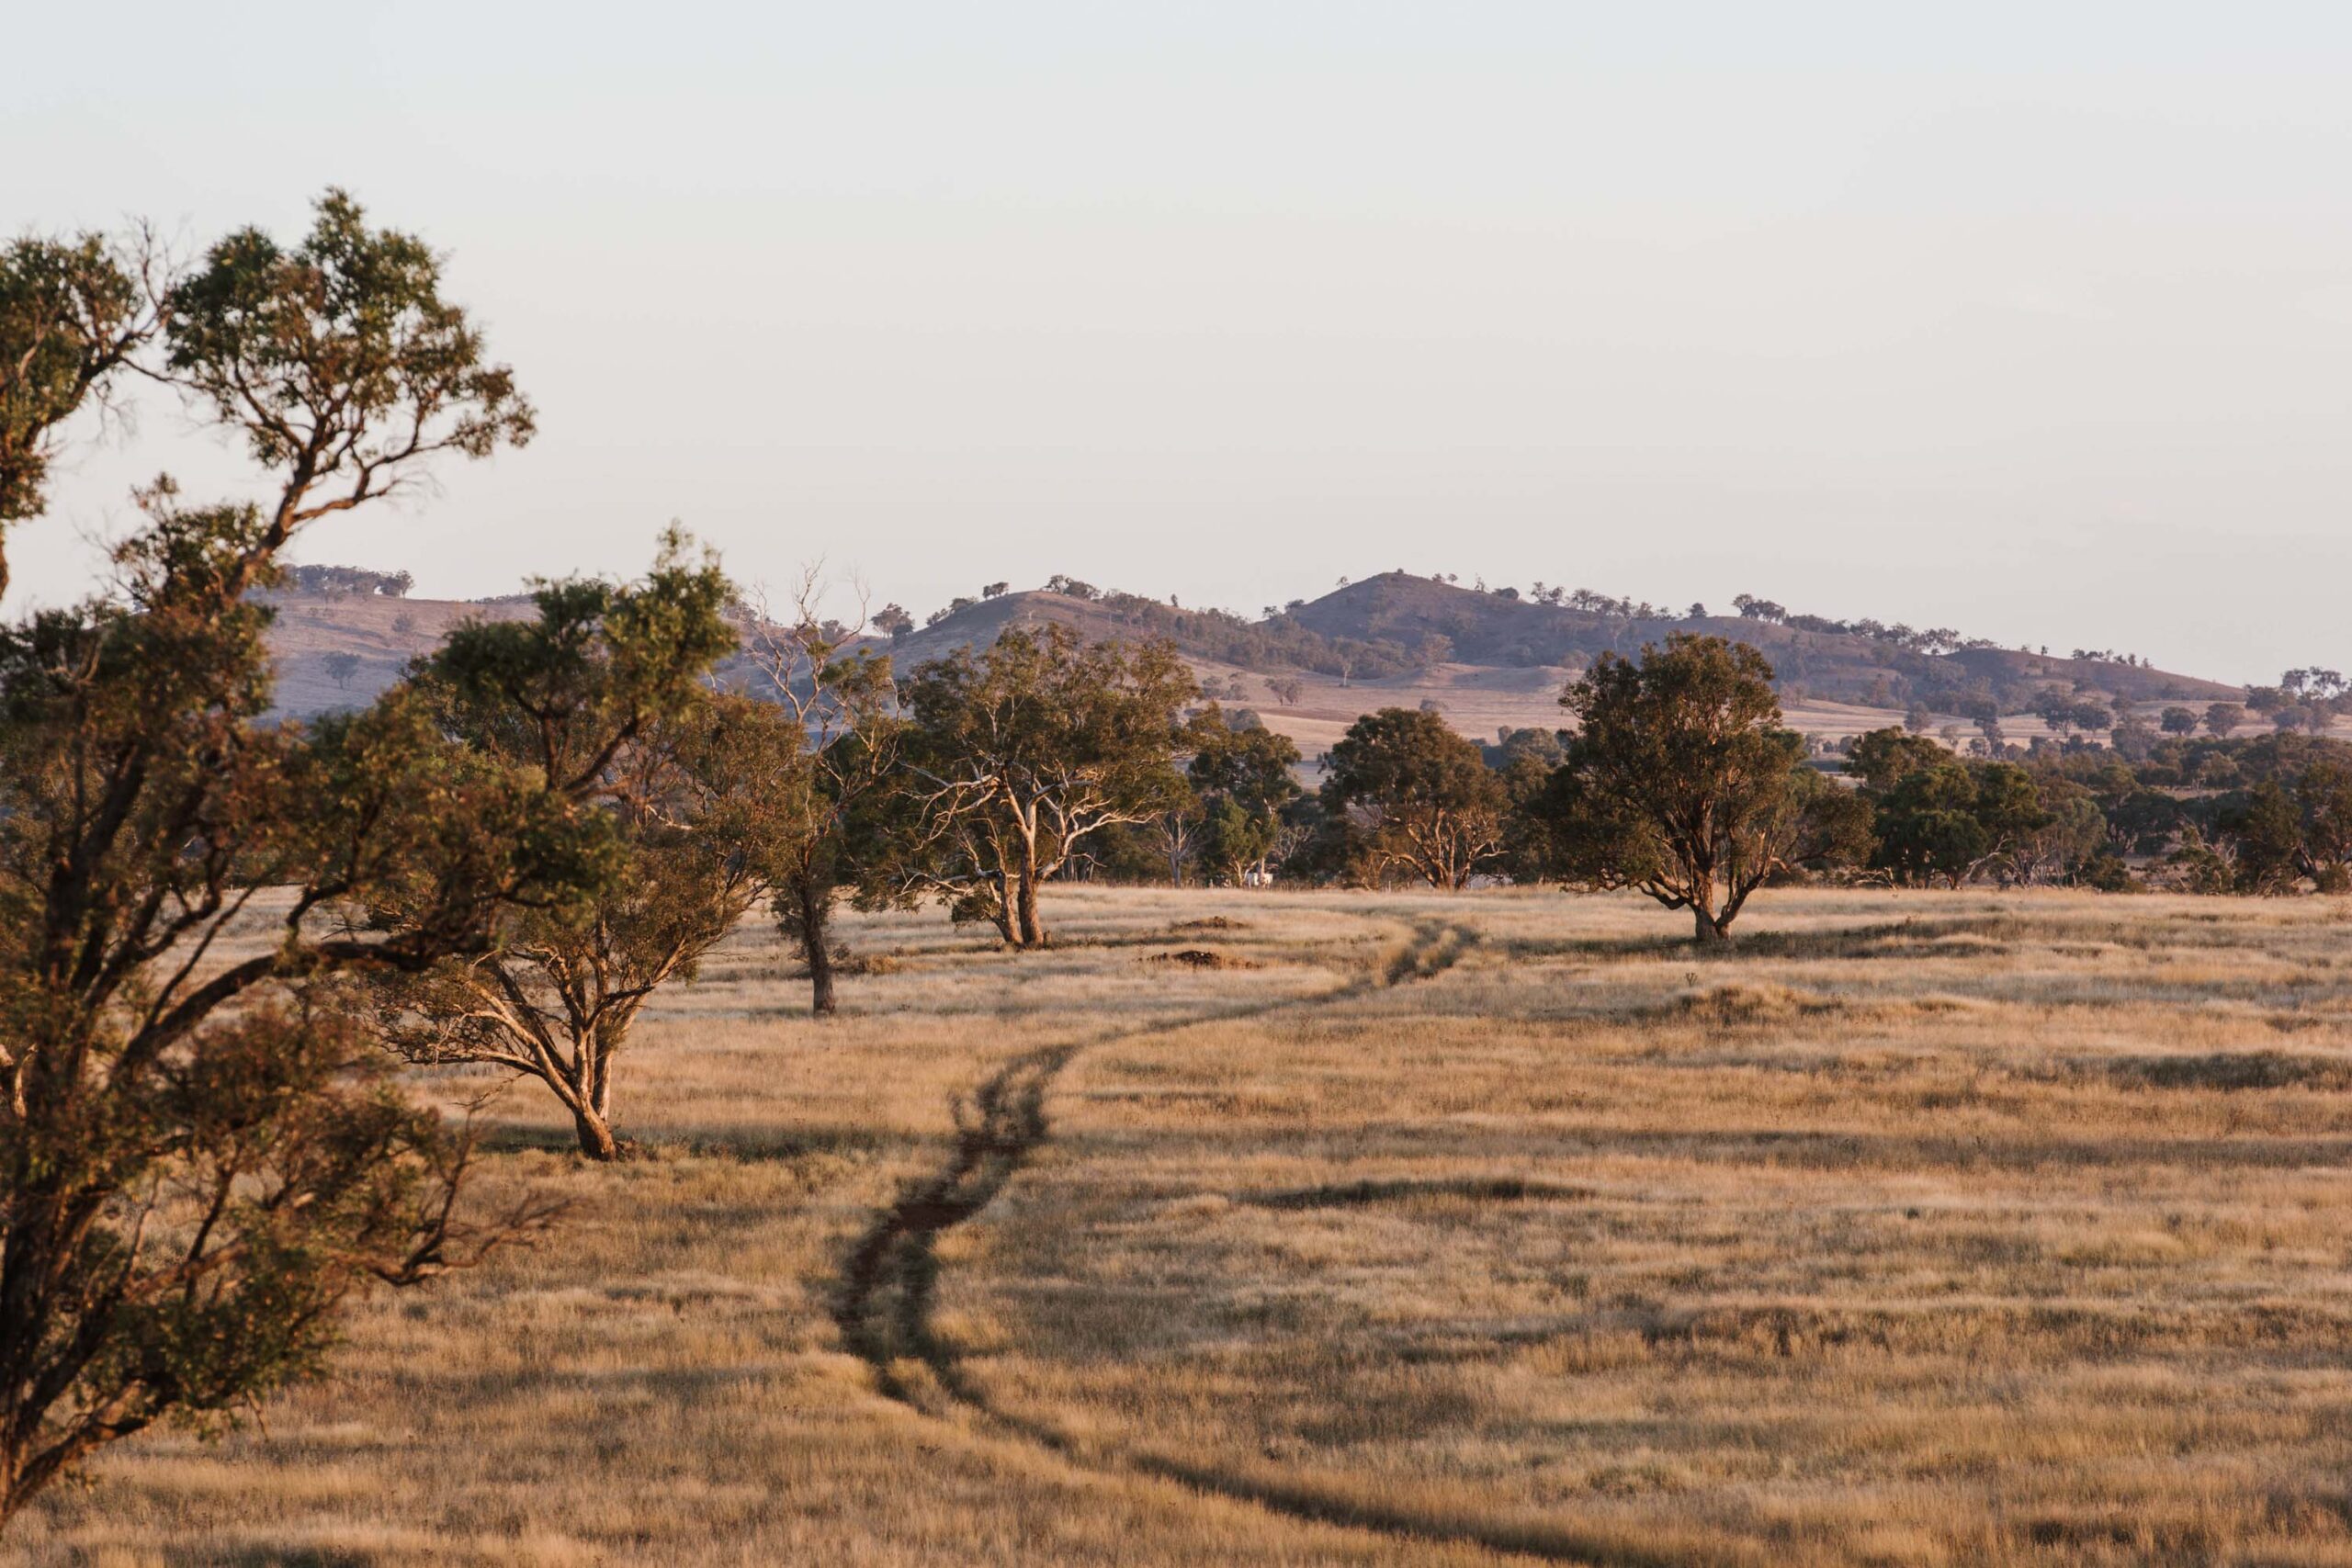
x,y
1489,660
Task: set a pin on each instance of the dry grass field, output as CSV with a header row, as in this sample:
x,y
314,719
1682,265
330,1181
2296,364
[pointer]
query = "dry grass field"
x,y
1918,1229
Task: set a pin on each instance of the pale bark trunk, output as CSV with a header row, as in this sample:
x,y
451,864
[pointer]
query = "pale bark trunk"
x,y
1008,925
1033,934
595,1135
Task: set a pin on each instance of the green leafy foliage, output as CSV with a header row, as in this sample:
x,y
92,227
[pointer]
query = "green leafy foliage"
x,y
1019,754
1243,777
694,794
1680,783
1419,797
201,1156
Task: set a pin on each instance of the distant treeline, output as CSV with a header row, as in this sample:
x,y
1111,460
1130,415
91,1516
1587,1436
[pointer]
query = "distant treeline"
x,y
347,580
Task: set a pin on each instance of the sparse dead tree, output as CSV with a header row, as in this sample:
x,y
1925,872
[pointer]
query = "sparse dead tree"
x,y
1175,832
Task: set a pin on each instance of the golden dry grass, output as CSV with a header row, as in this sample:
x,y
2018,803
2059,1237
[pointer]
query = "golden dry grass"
x,y
1922,1228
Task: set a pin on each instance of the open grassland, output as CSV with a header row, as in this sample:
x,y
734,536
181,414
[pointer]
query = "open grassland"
x,y
1919,1229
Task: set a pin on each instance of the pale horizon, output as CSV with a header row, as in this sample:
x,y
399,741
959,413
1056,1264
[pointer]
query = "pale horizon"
x,y
2023,323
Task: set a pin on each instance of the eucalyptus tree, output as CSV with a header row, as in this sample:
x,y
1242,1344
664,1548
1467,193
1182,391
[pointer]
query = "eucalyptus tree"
x,y
200,1156
1017,754
827,842
1243,778
1681,783
1423,797
75,313
605,696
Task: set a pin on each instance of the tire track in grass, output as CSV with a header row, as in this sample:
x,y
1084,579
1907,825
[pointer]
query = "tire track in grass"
x,y
883,1305
891,1276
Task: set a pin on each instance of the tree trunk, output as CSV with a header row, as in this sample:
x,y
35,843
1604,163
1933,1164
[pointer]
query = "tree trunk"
x,y
595,1135
1025,913
1707,931
1008,925
816,912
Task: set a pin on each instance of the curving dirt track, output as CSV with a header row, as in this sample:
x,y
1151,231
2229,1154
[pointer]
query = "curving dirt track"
x,y
889,1281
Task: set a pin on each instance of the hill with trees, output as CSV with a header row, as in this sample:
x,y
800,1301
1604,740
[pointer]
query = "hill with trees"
x,y
1484,657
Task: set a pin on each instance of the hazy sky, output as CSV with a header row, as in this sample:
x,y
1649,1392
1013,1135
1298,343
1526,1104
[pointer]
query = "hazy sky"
x,y
2033,320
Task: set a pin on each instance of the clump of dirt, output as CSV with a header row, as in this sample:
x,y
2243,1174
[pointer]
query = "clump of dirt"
x,y
1202,958
1211,923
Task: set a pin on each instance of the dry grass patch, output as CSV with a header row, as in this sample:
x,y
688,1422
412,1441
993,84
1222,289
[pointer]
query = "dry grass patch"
x,y
1917,1229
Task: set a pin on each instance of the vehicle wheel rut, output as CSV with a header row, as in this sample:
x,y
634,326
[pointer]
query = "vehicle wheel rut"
x,y
889,1281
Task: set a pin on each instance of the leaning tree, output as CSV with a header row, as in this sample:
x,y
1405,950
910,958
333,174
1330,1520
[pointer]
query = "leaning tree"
x,y
200,1156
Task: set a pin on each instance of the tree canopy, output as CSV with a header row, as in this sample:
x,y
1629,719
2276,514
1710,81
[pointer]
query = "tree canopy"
x,y
1680,783
1421,798
1019,753
201,1154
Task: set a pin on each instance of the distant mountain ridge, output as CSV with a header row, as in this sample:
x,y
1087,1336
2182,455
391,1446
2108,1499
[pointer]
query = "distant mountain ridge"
x,y
1396,623
1487,659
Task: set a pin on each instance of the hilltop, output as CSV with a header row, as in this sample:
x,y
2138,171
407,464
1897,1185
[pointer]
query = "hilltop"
x,y
1488,658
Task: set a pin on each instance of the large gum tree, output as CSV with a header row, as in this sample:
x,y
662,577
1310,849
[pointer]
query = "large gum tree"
x,y
1682,783
202,1154
1018,753
606,695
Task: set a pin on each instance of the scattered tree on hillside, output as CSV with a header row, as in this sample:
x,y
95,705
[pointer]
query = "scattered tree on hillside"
x,y
1421,796
341,666
340,581
2178,720
2221,719
893,621
1680,783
